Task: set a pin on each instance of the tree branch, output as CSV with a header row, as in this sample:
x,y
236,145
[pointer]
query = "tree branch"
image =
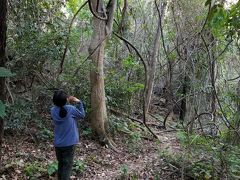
x,y
135,49
145,82
93,51
95,14
234,78
225,119
110,11
67,41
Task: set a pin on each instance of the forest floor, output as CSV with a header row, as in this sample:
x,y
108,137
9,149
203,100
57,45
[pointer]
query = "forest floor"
x,y
25,159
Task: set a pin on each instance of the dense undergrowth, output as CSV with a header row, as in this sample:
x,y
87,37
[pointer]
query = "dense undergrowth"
x,y
204,157
199,157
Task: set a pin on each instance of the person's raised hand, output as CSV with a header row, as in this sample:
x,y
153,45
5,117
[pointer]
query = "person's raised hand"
x,y
72,99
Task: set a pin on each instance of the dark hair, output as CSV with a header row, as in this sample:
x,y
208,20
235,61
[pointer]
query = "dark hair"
x,y
60,99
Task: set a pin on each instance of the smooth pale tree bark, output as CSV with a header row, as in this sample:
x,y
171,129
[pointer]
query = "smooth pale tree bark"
x,y
153,59
213,95
212,72
101,30
3,30
122,24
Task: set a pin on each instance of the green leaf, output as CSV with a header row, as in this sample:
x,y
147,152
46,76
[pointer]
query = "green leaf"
x,y
2,109
52,168
73,5
5,72
79,166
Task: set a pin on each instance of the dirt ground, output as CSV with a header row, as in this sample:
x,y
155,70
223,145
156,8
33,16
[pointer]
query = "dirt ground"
x,y
133,161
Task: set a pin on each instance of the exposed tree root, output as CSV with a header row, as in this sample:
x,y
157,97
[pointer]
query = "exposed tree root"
x,y
139,121
117,112
109,143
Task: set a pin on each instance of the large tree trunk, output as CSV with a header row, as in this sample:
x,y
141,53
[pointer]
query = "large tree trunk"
x,y
101,29
213,97
122,24
98,104
3,30
153,60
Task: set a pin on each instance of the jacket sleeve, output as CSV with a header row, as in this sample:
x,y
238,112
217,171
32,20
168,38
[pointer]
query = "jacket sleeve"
x,y
78,111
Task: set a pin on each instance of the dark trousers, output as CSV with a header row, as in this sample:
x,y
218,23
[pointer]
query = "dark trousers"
x,y
65,161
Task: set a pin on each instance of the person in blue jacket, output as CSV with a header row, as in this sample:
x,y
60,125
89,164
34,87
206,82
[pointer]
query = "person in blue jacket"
x,y
65,130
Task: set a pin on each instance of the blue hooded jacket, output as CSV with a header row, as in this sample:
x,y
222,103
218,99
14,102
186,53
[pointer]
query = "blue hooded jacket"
x,y
65,129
